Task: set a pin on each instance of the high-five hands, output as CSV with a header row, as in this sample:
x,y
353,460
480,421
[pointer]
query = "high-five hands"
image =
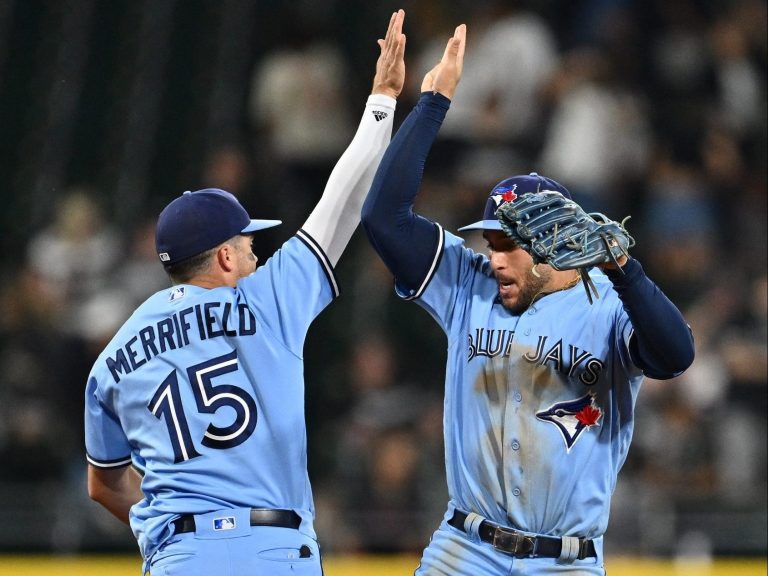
x,y
445,76
390,67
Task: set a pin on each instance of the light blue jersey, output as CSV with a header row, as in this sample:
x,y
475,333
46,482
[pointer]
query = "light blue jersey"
x,y
203,390
539,406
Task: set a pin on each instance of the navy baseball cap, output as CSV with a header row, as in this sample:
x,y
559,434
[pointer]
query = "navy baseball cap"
x,y
507,191
198,221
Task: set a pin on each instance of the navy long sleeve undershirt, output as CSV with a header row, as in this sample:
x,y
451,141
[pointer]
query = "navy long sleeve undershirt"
x,y
405,241
662,343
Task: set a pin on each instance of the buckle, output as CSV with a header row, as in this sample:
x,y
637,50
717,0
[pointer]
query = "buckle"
x,y
514,543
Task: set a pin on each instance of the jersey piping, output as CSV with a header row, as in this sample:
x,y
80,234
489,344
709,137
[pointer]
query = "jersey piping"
x,y
433,267
312,244
117,463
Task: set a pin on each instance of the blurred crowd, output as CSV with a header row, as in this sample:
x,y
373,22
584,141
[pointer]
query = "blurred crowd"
x,y
651,109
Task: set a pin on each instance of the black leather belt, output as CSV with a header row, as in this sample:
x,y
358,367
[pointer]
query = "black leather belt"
x,y
259,517
521,545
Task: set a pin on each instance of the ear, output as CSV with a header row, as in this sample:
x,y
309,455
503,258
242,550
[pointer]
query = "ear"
x,y
225,257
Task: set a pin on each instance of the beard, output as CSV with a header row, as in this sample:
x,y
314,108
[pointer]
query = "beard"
x,y
530,288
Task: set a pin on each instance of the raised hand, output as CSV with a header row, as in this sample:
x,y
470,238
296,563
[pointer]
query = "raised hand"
x,y
390,67
445,76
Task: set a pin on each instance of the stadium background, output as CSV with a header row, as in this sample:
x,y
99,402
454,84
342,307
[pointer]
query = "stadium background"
x,y
108,109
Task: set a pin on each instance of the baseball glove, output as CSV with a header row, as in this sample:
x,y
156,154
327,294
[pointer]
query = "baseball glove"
x,y
555,230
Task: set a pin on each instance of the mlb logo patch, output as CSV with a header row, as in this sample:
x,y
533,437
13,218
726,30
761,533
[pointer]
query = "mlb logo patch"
x,y
226,523
177,292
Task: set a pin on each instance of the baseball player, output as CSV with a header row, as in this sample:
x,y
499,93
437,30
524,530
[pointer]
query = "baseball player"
x,y
540,384
194,419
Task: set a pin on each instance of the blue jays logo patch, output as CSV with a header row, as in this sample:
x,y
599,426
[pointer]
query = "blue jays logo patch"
x,y
573,417
177,293
504,194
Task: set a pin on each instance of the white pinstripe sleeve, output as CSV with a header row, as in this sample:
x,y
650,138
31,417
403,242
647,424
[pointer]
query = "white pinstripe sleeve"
x,y
337,214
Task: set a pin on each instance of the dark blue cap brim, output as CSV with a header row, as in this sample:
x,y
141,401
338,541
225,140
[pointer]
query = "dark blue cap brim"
x,y
260,225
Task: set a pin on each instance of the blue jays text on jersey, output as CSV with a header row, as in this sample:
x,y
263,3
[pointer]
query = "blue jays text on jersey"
x,y
201,321
491,342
